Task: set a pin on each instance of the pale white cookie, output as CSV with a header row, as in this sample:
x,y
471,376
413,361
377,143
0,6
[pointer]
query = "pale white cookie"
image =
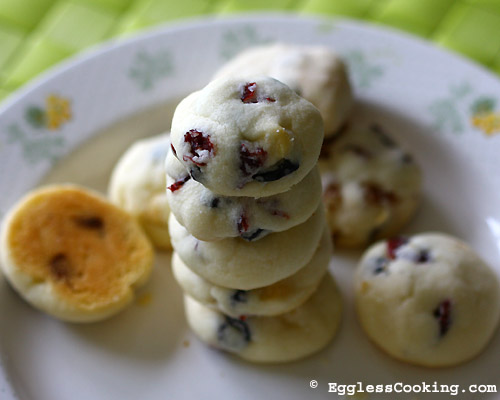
x,y
286,337
427,299
250,136
138,185
275,299
316,73
239,264
371,187
70,253
208,216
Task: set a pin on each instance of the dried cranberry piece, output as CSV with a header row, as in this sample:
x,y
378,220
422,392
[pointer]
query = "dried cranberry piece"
x,y
382,136
92,222
239,296
178,184
215,202
375,194
394,244
60,266
234,333
279,213
243,224
332,195
423,256
277,171
249,94
173,149
251,160
443,314
253,235
380,264
358,150
199,144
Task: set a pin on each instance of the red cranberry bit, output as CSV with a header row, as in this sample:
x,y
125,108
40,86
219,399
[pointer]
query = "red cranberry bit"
x,y
332,195
360,151
243,224
251,160
249,94
279,213
277,171
394,244
375,194
92,223
423,256
200,143
173,149
178,184
443,314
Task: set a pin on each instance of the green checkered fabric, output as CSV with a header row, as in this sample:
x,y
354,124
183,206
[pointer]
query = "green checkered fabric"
x,y
35,34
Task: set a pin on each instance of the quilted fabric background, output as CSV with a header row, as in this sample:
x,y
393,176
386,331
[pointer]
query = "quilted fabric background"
x,y
35,34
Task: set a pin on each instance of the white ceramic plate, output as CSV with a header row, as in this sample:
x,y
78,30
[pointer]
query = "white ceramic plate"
x,y
73,123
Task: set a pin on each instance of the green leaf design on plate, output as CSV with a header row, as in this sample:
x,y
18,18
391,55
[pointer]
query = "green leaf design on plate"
x,y
234,41
446,116
483,105
147,69
36,149
447,113
36,117
326,26
363,72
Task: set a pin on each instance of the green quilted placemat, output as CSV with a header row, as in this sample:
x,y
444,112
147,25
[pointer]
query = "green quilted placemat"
x,y
35,34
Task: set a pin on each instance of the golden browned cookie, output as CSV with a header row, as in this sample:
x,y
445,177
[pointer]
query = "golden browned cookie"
x,y
72,254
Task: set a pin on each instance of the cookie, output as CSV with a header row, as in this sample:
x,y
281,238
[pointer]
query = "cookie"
x,y
371,187
138,184
275,299
286,337
239,264
251,136
70,253
208,216
316,73
427,299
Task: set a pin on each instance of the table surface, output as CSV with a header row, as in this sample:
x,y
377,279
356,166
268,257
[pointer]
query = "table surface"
x,y
36,34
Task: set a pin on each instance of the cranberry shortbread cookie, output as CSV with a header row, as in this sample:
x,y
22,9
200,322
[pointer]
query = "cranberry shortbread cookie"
x,y
251,136
427,299
316,73
209,216
137,185
239,264
371,187
286,337
274,299
70,253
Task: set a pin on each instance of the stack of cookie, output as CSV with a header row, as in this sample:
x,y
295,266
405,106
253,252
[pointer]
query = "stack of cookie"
x,y
251,246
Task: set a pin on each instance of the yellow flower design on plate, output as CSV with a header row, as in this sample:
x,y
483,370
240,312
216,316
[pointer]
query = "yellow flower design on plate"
x,y
58,111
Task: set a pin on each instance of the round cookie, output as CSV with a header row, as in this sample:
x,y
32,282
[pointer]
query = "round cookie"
x,y
250,136
316,73
286,337
73,255
240,264
210,217
371,187
137,185
427,300
275,299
